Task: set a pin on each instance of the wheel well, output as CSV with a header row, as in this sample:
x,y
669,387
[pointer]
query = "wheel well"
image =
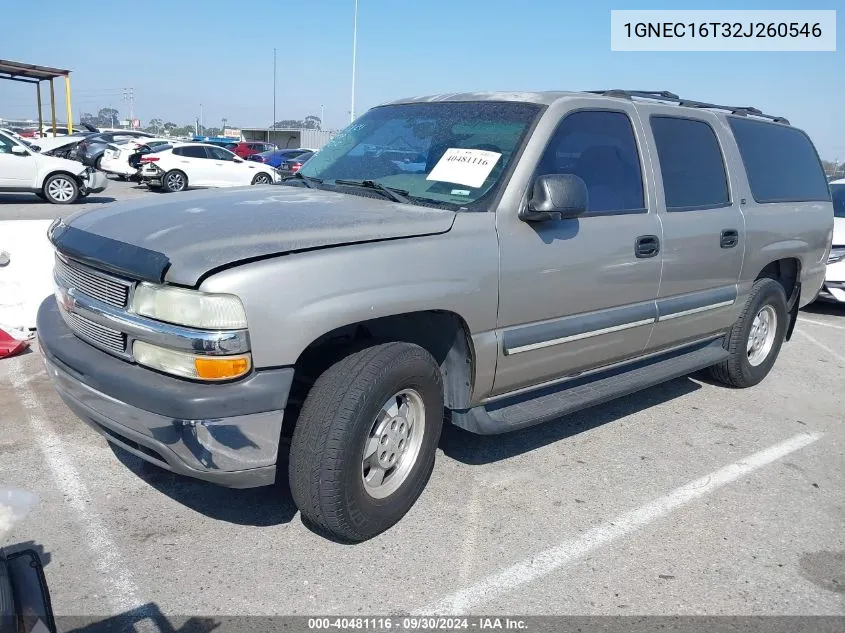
x,y
444,335
784,271
60,172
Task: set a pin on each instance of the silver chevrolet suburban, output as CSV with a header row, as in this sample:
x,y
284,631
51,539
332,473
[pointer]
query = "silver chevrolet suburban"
x,y
496,260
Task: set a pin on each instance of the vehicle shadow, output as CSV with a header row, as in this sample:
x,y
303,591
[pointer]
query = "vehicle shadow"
x,y
260,507
825,307
472,449
147,617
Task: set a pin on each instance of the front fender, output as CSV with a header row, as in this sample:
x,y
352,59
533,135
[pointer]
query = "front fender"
x,y
292,300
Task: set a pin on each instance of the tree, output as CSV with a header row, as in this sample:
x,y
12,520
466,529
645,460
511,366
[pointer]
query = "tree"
x,y
155,125
108,117
88,118
313,122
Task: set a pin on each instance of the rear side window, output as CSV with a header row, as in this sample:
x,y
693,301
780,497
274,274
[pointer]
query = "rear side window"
x,y
600,147
781,162
191,151
691,164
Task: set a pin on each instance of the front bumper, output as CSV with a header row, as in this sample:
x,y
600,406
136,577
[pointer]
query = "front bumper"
x,y
95,182
224,433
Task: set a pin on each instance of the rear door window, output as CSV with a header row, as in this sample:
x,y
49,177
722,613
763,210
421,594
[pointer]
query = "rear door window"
x,y
781,162
192,151
691,164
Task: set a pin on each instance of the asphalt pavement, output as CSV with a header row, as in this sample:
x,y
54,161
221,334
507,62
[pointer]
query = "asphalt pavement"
x,y
688,498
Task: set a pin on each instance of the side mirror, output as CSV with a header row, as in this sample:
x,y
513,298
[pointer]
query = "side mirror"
x,y
556,197
19,150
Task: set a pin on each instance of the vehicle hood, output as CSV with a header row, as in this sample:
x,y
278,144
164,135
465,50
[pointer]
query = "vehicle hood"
x,y
839,231
181,237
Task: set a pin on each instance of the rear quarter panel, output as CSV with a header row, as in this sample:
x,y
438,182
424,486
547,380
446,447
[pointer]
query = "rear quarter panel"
x,y
801,230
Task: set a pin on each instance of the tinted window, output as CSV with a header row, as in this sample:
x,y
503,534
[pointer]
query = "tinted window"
x,y
218,153
192,151
691,163
781,162
601,149
838,192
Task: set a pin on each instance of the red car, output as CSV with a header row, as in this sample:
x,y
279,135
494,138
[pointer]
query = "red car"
x,y
248,148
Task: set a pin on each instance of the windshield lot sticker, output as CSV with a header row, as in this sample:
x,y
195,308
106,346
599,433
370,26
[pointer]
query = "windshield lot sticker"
x,y
468,167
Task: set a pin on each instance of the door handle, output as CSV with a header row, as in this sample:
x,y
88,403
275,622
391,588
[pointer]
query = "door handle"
x,y
729,238
646,246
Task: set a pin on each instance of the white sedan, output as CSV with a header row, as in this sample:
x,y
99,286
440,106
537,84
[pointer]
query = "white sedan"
x,y
123,158
203,165
55,180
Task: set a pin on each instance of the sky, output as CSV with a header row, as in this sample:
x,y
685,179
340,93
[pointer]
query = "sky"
x,y
178,54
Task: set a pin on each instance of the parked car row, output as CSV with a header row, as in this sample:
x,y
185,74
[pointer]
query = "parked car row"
x,y
182,166
58,180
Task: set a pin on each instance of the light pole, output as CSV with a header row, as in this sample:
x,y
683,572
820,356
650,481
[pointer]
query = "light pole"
x,y
201,125
223,131
354,55
274,93
322,112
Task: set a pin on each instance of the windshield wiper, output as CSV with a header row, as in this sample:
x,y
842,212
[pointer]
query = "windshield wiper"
x,y
306,180
397,195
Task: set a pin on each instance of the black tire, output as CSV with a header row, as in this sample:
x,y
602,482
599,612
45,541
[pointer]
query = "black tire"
x,y
737,370
60,189
338,416
262,179
174,181
98,164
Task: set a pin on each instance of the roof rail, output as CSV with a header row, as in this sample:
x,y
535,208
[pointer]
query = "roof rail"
x,y
671,97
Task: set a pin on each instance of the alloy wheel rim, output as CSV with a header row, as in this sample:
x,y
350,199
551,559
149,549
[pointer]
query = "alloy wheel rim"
x,y
761,338
60,189
262,179
175,181
393,444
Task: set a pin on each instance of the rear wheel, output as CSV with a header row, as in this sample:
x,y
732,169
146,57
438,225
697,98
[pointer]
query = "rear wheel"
x,y
364,444
755,339
174,181
262,179
60,189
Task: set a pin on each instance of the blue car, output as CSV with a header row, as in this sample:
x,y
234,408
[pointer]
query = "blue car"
x,y
275,158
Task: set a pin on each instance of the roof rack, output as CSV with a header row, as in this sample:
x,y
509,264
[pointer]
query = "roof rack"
x,y
671,97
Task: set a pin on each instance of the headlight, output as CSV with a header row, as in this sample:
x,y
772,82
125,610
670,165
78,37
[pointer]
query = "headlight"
x,y
837,254
191,365
189,307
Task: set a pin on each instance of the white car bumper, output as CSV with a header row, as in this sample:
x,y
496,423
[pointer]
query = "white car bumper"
x,y
119,166
834,283
95,181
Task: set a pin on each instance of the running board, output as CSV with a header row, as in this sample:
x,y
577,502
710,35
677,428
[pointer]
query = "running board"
x,y
545,405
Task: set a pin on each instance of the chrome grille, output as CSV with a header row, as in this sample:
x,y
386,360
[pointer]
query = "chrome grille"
x,y
96,334
97,285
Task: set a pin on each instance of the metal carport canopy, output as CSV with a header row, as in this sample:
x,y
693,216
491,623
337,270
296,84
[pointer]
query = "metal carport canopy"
x,y
32,74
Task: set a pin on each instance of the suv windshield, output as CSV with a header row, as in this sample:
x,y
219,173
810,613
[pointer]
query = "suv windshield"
x,y
445,153
838,193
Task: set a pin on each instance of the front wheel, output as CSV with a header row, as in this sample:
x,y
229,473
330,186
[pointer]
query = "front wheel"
x,y
364,445
174,181
262,179
60,189
755,339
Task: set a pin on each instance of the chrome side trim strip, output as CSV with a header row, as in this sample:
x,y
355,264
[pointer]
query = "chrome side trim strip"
x,y
712,306
602,368
212,342
578,337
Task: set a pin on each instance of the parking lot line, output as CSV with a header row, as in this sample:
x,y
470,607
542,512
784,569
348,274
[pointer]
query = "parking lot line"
x,y
120,590
821,345
822,323
546,562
